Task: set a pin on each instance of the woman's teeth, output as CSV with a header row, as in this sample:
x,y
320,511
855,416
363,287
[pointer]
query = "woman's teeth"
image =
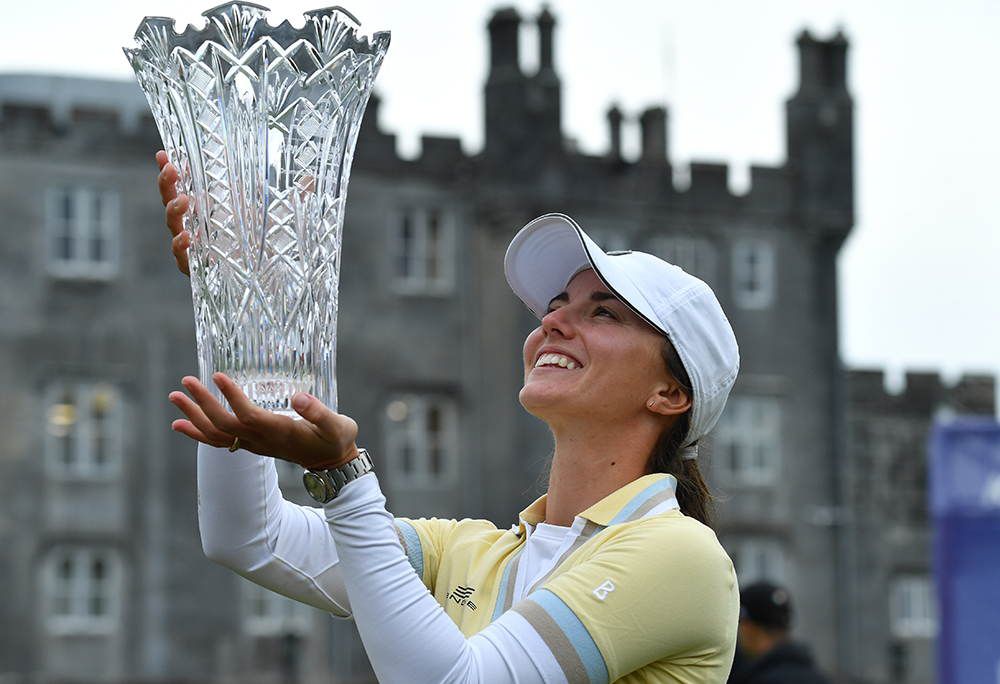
x,y
555,360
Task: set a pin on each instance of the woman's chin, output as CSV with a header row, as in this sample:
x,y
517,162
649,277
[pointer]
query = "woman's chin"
x,y
540,399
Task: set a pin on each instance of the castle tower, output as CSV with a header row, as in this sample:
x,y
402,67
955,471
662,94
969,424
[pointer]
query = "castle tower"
x,y
522,112
820,135
820,162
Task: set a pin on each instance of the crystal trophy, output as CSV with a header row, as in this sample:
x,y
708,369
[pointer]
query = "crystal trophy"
x,y
261,122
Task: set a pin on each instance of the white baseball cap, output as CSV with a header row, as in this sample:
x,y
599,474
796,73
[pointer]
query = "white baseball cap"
x,y
545,255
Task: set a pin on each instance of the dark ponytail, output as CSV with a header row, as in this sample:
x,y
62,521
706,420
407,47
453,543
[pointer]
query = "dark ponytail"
x,y
693,494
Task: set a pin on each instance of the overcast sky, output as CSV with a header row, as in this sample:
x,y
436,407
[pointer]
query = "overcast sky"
x,y
919,277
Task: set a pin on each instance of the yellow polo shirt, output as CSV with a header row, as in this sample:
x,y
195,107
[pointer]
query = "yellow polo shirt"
x,y
639,593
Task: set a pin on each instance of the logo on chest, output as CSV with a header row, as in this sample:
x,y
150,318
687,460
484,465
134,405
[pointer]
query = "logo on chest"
x,y
462,596
603,589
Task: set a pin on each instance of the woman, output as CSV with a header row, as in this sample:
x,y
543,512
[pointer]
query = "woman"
x,y
611,576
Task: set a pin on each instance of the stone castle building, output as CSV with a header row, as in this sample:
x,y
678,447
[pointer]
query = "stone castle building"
x,y
819,471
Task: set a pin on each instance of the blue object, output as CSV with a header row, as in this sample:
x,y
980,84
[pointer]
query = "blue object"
x,y
965,504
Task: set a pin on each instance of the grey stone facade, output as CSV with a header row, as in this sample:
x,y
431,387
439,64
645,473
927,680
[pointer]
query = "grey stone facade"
x,y
453,338
888,532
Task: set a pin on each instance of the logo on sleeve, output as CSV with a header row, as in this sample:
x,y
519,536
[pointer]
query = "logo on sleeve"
x,y
603,589
461,596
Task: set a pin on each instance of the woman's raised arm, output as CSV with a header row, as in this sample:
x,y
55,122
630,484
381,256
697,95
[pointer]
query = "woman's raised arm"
x,y
248,526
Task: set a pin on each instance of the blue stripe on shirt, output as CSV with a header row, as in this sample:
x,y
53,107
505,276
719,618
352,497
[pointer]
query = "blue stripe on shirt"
x,y
576,632
652,490
414,552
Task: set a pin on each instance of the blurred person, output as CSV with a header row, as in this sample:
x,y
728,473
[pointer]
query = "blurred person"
x,y
766,654
613,575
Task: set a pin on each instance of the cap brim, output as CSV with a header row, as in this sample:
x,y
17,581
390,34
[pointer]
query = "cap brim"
x,y
545,255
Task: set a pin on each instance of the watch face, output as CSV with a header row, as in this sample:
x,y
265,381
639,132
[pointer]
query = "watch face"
x,y
316,487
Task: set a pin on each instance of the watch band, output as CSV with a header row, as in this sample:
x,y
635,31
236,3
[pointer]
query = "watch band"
x,y
324,485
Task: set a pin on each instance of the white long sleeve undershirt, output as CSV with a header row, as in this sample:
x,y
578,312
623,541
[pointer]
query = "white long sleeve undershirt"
x,y
355,565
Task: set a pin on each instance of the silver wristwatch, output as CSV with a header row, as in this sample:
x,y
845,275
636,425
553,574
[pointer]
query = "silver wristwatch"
x,y
323,485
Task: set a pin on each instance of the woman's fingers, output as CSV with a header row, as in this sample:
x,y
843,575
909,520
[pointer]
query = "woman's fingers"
x,y
249,413
175,214
215,412
177,205
187,428
199,421
166,182
179,247
181,241
333,427
325,438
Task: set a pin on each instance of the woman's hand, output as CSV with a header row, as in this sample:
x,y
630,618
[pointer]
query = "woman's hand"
x,y
175,205
324,439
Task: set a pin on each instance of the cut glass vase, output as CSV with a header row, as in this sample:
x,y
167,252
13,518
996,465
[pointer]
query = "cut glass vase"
x,y
261,122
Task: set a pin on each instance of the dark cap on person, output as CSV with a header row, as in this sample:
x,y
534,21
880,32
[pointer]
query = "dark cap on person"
x,y
767,605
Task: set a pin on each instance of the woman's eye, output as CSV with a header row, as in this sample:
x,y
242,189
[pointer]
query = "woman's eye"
x,y
602,311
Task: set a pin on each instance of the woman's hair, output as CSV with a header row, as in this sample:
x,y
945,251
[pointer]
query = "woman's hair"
x,y
693,494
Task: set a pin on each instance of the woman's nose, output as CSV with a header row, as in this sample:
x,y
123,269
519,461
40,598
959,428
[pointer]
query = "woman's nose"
x,y
558,322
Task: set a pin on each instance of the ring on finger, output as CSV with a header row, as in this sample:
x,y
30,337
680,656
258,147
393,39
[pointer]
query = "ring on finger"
x,y
235,445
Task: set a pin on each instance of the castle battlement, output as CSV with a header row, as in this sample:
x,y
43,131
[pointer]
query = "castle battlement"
x,y
922,394
61,101
523,135
709,182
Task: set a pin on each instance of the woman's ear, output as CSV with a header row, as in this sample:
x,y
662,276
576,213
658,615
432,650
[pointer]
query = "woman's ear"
x,y
669,400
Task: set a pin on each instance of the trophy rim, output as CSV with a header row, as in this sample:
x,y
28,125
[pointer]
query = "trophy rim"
x,y
334,8
210,10
173,37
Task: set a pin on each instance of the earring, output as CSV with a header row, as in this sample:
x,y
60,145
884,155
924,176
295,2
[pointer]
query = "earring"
x,y
650,404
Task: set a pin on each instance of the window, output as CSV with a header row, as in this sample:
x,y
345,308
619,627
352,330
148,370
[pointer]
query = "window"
x,y
422,440
83,430
753,274
82,227
266,613
757,559
82,589
423,253
694,255
912,611
747,441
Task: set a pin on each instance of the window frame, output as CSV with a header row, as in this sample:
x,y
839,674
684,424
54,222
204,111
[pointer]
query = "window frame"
x,y
84,465
742,251
756,547
756,435
81,227
915,590
397,431
81,590
418,282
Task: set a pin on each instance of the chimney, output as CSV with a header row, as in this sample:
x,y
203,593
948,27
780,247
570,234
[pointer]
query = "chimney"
x,y
822,63
546,23
820,134
615,132
653,122
504,29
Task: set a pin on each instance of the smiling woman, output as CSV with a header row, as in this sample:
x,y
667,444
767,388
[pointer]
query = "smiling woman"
x,y
610,576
